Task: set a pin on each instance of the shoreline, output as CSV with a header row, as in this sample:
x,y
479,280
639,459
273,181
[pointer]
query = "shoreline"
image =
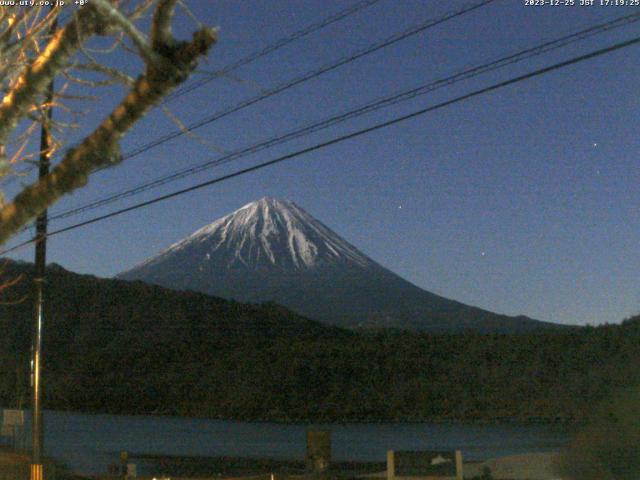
x,y
533,465
197,465
350,421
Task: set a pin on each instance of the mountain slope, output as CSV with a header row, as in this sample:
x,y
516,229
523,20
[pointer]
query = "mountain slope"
x,y
131,348
272,250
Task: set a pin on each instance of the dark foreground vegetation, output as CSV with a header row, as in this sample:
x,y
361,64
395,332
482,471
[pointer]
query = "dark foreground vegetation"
x,y
120,347
608,447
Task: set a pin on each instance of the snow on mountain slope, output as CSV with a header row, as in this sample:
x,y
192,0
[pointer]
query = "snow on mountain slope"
x,y
268,232
272,250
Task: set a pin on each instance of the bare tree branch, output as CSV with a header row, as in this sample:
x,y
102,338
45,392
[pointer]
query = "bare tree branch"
x,y
161,29
178,60
37,76
112,14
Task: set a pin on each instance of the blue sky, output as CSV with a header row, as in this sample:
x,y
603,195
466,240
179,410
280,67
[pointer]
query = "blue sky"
x,y
521,201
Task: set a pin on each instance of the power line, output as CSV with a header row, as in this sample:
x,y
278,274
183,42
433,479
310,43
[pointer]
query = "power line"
x,y
282,42
358,133
306,77
416,29
367,108
253,56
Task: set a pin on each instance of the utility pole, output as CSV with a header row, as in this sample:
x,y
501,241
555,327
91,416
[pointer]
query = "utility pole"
x,y
39,281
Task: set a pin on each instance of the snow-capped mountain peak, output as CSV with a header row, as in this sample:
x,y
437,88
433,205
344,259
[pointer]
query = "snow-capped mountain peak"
x,y
272,250
267,233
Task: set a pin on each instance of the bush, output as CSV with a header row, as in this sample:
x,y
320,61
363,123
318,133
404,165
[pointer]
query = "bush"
x,y
608,448
486,474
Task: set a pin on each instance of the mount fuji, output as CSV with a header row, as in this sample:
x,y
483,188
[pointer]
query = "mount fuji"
x,y
272,250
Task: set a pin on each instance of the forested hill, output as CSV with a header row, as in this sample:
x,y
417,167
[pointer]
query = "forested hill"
x,y
126,347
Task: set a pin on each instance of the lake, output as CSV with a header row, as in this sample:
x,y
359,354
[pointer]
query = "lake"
x,y
88,443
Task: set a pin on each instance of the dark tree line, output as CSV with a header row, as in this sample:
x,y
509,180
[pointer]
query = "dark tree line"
x,y
121,347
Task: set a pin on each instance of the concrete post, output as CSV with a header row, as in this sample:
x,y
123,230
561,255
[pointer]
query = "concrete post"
x,y
459,473
391,465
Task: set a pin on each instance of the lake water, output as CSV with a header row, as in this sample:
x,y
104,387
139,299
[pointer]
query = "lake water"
x,y
88,443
